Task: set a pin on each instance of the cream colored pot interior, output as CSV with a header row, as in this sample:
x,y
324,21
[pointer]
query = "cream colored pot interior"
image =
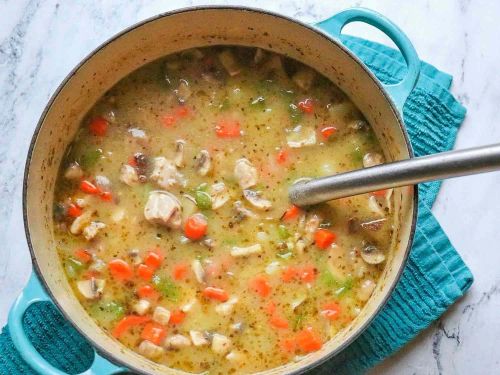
x,y
165,35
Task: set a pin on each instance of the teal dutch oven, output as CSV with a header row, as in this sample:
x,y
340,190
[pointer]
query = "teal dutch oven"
x,y
318,46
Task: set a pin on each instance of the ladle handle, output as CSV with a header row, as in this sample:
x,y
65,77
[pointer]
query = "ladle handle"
x,y
401,173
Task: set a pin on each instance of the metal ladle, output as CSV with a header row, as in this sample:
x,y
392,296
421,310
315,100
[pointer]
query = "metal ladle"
x,y
400,173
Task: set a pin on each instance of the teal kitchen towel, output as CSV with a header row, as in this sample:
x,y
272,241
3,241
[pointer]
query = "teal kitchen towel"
x,y
434,278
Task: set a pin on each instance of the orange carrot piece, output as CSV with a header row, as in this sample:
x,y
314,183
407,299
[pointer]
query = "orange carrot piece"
x,y
195,227
120,269
260,285
180,271
215,293
323,238
128,322
74,210
83,255
98,126
331,311
154,333
145,272
308,341
177,317
291,213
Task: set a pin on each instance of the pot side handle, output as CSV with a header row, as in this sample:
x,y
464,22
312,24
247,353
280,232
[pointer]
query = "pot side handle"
x,y
400,91
33,293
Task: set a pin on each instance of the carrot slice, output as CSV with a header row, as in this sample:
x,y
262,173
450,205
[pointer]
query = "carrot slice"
x,y
74,210
145,272
289,274
153,259
260,285
282,156
308,341
327,131
147,291
180,271
128,322
83,255
288,345
379,193
106,196
215,293
278,321
177,317
307,274
323,238
270,308
306,106
88,187
291,213
182,111
195,227
98,126
331,311
228,129
153,332
168,120
120,269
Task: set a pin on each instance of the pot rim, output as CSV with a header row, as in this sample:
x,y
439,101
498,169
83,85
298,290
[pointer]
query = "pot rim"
x,y
102,350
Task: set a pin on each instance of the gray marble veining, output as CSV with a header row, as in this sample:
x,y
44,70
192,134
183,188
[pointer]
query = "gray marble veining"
x,y
40,42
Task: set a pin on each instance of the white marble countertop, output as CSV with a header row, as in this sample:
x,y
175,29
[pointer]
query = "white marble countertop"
x,y
40,42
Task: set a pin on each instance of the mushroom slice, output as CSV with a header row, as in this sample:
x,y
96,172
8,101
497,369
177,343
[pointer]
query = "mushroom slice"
x,y
92,288
150,350
229,62
256,200
245,173
203,163
163,208
246,251
73,172
304,78
198,271
179,153
301,136
219,194
242,212
371,159
221,344
373,225
177,342
128,175
164,172
81,222
198,338
372,254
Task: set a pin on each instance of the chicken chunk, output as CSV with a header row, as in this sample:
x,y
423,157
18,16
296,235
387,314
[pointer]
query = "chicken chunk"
x,y
221,344
73,172
371,159
150,350
245,173
81,222
226,308
128,175
141,307
246,251
198,338
165,172
161,315
91,230
177,341
163,208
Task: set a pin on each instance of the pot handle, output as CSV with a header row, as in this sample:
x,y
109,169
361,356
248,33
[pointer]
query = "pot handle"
x,y
32,293
400,91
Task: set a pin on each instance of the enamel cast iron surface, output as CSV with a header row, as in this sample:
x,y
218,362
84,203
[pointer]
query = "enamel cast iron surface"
x,y
168,33
401,173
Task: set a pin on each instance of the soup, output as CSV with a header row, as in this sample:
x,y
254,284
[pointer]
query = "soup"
x,y
173,222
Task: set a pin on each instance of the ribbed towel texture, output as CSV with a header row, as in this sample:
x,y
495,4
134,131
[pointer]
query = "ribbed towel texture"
x,y
434,278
